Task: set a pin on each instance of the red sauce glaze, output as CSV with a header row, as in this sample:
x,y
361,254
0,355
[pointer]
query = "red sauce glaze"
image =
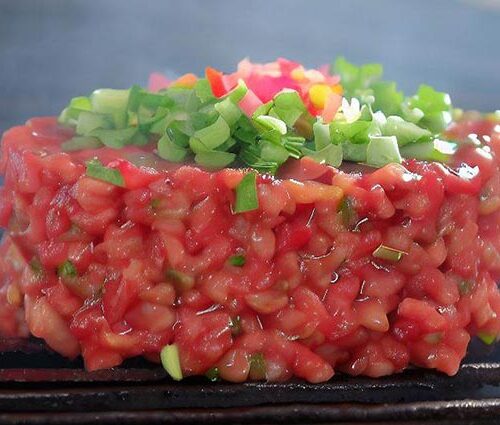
x,y
152,260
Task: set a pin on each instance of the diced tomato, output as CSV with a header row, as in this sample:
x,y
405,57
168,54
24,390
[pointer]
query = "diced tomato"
x,y
135,177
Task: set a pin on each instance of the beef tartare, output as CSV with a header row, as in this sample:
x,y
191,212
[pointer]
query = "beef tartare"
x,y
274,222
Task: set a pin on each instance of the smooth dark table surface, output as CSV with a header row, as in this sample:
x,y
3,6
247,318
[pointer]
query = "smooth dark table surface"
x,y
52,50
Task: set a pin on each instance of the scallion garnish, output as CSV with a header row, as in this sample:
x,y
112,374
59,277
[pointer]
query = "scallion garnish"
x,y
257,366
347,213
237,260
98,171
246,194
465,287
487,338
81,142
36,267
374,123
435,150
383,150
181,281
212,374
170,151
235,325
214,159
170,361
389,254
67,270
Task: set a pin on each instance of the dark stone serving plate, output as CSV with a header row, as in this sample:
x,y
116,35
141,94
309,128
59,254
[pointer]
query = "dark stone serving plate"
x,y
38,386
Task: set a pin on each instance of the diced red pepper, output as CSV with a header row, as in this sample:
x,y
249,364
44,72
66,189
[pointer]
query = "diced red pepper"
x,y
215,78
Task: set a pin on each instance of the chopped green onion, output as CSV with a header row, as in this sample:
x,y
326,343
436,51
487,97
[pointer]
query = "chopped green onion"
x,y
191,122
171,362
436,107
203,90
436,150
354,151
139,98
273,152
251,155
213,374
263,109
98,171
170,151
114,138
356,132
155,203
413,115
235,325
331,155
71,113
181,281
113,102
405,132
89,121
437,121
67,269
257,366
214,159
238,92
465,287
433,338
36,267
246,194
383,150
80,143
228,144
321,135
389,254
356,78
387,98
288,106
271,123
213,135
229,111
82,103
487,338
237,260
429,100
347,212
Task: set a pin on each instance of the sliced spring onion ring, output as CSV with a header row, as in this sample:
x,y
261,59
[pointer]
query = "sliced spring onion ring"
x,y
80,143
246,194
67,269
237,260
487,338
257,366
98,171
171,362
389,254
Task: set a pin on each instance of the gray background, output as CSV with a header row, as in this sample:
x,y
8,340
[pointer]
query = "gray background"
x,y
51,50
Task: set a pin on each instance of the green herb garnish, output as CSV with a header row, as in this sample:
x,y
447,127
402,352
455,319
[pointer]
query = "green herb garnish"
x,y
213,374
237,260
377,124
67,270
171,362
389,254
246,194
98,171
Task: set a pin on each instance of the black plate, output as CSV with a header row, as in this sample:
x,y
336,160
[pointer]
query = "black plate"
x,y
38,386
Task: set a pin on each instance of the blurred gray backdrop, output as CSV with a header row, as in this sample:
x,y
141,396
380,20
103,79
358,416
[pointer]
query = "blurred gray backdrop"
x,y
51,50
